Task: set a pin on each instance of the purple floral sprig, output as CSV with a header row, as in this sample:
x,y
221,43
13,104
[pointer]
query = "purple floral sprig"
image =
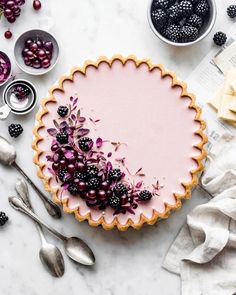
x,y
68,159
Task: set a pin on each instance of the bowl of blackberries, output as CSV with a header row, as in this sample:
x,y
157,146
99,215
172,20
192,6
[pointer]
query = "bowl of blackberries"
x,y
181,22
36,52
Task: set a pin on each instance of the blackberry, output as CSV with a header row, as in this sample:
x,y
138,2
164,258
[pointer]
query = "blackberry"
x,y
62,137
189,34
61,174
3,218
173,33
21,92
15,130
174,13
114,202
114,174
231,11
185,8
220,38
145,195
194,21
80,175
85,144
202,8
73,189
93,183
159,18
62,111
163,4
120,189
194,2
92,171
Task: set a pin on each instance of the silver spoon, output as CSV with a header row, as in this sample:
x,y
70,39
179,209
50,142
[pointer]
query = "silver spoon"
x,y
75,248
8,158
49,254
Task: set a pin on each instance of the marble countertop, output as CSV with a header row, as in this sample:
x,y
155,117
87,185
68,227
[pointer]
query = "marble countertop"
x,y
129,262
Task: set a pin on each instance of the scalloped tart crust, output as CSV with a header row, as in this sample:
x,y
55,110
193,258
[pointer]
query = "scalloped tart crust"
x,y
143,106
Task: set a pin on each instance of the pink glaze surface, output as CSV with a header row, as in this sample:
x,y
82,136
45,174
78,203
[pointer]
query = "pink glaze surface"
x,y
141,109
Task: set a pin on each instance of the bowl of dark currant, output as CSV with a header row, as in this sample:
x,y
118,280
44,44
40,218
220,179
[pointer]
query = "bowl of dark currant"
x,y
181,22
36,52
5,68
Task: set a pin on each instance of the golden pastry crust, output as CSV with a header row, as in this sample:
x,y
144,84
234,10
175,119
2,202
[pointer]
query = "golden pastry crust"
x,y
156,215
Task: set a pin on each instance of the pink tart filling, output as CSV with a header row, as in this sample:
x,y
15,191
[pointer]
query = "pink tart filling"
x,y
139,122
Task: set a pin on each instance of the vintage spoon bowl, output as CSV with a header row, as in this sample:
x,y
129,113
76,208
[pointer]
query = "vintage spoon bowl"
x,y
49,254
75,248
52,258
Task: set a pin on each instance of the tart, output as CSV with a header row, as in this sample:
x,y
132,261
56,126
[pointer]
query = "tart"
x,y
119,142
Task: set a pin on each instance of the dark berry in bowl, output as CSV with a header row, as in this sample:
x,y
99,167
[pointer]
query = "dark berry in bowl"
x,y
202,8
15,130
159,18
185,8
36,52
220,38
163,4
169,20
93,183
92,171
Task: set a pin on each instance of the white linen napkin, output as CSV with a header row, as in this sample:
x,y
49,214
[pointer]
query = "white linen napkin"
x,y
204,251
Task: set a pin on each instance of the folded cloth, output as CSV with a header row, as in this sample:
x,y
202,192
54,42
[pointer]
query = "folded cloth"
x,y
204,251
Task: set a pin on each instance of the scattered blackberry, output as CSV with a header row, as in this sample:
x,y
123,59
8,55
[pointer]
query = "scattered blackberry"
x,y
189,34
145,195
61,174
163,4
3,218
62,111
194,21
120,189
173,33
85,144
93,183
15,130
114,202
231,11
185,8
114,174
202,8
62,137
174,13
159,18
220,38
73,189
92,171
80,175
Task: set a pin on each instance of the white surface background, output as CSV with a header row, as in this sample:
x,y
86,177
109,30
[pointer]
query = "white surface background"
x,y
129,262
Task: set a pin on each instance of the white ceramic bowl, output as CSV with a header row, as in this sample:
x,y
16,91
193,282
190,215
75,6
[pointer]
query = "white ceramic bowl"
x,y
205,30
20,44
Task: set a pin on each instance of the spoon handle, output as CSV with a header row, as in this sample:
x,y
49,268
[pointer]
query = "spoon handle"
x,y
22,189
52,208
19,205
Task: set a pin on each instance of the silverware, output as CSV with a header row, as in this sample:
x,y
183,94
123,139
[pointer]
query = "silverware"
x,y
49,254
8,158
75,248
